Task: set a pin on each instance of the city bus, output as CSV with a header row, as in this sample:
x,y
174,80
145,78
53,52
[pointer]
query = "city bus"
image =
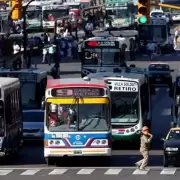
x,y
34,16
33,85
77,119
130,101
98,52
10,117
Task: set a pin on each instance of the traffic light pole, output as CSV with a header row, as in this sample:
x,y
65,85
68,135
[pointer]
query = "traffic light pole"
x,y
25,35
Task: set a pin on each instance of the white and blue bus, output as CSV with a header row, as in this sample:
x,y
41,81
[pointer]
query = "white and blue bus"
x,y
77,119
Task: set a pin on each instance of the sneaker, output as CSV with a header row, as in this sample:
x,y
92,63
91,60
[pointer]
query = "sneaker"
x,y
143,169
137,165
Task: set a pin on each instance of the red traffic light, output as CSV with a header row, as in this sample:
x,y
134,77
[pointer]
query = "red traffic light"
x,y
142,10
143,1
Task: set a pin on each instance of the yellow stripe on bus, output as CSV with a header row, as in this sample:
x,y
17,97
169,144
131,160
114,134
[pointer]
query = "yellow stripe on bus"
x,y
81,101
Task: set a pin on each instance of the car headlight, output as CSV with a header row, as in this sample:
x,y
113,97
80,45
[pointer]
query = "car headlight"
x,y
171,149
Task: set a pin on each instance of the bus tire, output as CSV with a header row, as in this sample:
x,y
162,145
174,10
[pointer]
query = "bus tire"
x,y
50,161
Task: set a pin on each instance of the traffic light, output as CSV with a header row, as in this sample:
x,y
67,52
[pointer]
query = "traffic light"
x,y
16,9
143,11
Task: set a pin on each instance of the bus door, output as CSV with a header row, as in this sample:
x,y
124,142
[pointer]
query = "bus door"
x,y
2,119
40,89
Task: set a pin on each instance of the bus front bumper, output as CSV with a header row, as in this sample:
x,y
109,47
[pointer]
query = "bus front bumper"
x,y
132,137
59,152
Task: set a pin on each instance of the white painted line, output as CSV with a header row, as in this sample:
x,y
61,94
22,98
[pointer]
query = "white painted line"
x,y
168,171
58,171
30,172
140,172
113,171
85,171
5,172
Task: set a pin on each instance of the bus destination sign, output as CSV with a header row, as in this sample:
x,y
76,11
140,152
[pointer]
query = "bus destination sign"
x,y
93,44
77,92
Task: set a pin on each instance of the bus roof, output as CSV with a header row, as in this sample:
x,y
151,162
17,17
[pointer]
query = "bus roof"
x,y
33,3
140,78
24,70
5,81
75,82
106,39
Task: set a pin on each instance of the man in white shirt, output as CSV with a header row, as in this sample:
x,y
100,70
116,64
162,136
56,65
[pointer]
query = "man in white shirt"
x,y
16,48
151,47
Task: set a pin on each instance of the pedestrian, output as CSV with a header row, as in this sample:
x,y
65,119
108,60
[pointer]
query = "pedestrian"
x,y
51,50
146,138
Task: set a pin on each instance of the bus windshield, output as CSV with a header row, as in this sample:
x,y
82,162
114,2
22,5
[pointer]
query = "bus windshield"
x,y
125,107
77,117
104,56
28,95
33,15
49,15
118,13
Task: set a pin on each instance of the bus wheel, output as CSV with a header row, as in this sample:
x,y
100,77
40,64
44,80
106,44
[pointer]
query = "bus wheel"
x,y
50,161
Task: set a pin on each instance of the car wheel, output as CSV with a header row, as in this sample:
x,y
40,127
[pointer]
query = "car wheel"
x,y
165,162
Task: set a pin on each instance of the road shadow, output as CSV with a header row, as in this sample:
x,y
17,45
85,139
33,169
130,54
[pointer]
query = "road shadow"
x,y
69,72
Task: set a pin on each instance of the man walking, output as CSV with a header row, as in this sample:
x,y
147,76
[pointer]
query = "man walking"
x,y
146,138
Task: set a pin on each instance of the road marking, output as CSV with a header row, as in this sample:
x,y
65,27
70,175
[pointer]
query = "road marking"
x,y
5,172
113,171
140,172
168,171
30,172
58,171
85,171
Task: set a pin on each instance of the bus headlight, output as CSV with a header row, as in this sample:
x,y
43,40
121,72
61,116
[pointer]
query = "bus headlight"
x,y
132,129
56,143
100,142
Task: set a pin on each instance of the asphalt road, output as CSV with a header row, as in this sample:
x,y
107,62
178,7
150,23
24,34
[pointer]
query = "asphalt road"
x,y
31,162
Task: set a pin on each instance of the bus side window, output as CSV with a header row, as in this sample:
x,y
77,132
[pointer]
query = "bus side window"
x,y
8,112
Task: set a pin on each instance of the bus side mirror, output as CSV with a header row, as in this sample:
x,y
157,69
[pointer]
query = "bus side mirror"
x,y
177,100
43,103
172,124
152,90
1,109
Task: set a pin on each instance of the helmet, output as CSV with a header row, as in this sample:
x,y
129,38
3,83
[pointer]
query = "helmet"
x,y
145,128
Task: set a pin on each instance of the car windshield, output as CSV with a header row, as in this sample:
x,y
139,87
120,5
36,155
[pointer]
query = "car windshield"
x,y
125,107
104,56
154,14
159,67
77,117
174,135
33,116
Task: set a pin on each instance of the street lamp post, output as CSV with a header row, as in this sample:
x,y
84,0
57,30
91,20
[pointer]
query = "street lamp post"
x,y
25,35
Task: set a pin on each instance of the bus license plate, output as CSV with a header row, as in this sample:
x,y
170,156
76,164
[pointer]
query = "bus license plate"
x,y
77,152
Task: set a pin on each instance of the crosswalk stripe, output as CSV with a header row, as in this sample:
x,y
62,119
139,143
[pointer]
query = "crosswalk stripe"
x,y
85,171
140,172
113,171
5,172
30,172
58,171
169,171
